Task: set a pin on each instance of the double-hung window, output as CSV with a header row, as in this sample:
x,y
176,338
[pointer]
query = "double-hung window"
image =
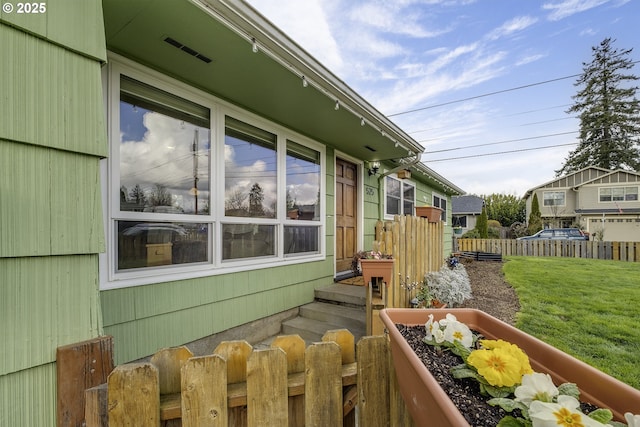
x,y
441,202
400,197
197,186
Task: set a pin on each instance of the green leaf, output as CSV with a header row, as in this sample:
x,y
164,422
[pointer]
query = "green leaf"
x,y
569,389
463,371
499,391
601,415
507,404
510,421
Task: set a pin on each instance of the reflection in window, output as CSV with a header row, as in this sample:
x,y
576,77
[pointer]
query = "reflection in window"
x,y
441,202
301,239
303,182
618,194
248,241
164,152
152,244
393,196
250,167
553,198
400,198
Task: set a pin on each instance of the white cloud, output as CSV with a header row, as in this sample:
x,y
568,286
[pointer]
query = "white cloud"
x,y
512,26
566,8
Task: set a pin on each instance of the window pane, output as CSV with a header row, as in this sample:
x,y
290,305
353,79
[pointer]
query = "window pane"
x,y
249,171
408,198
393,196
152,244
617,193
164,152
248,241
301,240
605,194
631,193
303,182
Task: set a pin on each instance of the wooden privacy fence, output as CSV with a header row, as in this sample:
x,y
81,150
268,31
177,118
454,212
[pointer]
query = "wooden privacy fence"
x,y
284,385
417,247
618,251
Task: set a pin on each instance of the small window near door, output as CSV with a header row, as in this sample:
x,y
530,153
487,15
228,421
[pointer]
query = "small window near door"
x,y
400,197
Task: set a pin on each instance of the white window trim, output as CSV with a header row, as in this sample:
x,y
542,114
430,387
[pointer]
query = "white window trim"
x,y
564,192
441,197
109,278
402,182
625,194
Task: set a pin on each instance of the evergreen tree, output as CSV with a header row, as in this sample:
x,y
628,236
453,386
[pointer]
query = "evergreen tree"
x,y
535,217
505,208
608,111
482,226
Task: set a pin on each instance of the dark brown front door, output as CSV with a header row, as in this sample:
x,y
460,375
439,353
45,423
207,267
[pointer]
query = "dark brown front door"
x,y
346,213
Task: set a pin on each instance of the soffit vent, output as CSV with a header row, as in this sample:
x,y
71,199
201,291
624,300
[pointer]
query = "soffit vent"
x,y
368,147
187,49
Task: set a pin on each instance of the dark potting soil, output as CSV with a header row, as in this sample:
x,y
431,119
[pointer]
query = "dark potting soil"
x,y
464,393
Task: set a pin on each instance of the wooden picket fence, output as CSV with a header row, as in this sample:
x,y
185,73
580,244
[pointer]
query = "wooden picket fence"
x,y
287,384
417,247
618,251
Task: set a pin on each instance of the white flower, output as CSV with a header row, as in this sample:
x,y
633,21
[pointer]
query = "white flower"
x,y
632,420
438,335
430,327
458,331
448,318
565,413
536,386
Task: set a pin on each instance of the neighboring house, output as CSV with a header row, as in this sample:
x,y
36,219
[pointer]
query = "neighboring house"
x,y
465,211
171,170
600,201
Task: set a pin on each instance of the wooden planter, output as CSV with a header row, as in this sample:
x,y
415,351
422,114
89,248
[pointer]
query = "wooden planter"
x,y
432,214
377,268
429,405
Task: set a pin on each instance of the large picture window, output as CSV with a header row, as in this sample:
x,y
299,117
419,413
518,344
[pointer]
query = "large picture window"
x,y
618,194
400,197
553,198
166,208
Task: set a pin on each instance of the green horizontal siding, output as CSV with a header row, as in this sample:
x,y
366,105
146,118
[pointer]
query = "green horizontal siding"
x,y
50,202
50,96
46,302
146,318
28,398
78,25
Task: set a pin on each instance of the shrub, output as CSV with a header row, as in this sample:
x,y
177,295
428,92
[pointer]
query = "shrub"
x,y
449,285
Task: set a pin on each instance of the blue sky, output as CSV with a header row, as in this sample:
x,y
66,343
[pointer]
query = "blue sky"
x,y
459,63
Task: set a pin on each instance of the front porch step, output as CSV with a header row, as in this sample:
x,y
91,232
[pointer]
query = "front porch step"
x,y
346,317
312,330
347,295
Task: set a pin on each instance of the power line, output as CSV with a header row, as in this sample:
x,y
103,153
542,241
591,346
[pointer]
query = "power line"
x,y
503,142
499,153
482,96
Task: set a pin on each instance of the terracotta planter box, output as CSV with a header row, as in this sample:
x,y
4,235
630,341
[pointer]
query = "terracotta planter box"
x,y
377,268
429,405
432,214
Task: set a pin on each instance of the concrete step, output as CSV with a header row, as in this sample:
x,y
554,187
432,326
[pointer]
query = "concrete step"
x,y
312,330
342,294
346,317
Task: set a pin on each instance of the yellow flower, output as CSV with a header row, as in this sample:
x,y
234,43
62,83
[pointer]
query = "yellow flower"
x,y
514,350
497,366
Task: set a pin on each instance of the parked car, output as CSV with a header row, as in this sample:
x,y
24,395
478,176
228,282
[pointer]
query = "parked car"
x,y
558,234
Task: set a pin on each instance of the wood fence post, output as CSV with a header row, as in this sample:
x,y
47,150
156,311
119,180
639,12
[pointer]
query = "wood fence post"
x,y
373,381
294,348
323,385
134,396
236,353
267,391
204,392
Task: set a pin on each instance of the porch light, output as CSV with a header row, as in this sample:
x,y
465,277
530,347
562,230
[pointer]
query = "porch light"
x,y
254,45
305,83
374,167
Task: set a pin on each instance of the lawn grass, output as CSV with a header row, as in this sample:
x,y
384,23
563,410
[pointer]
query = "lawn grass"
x,y
587,308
